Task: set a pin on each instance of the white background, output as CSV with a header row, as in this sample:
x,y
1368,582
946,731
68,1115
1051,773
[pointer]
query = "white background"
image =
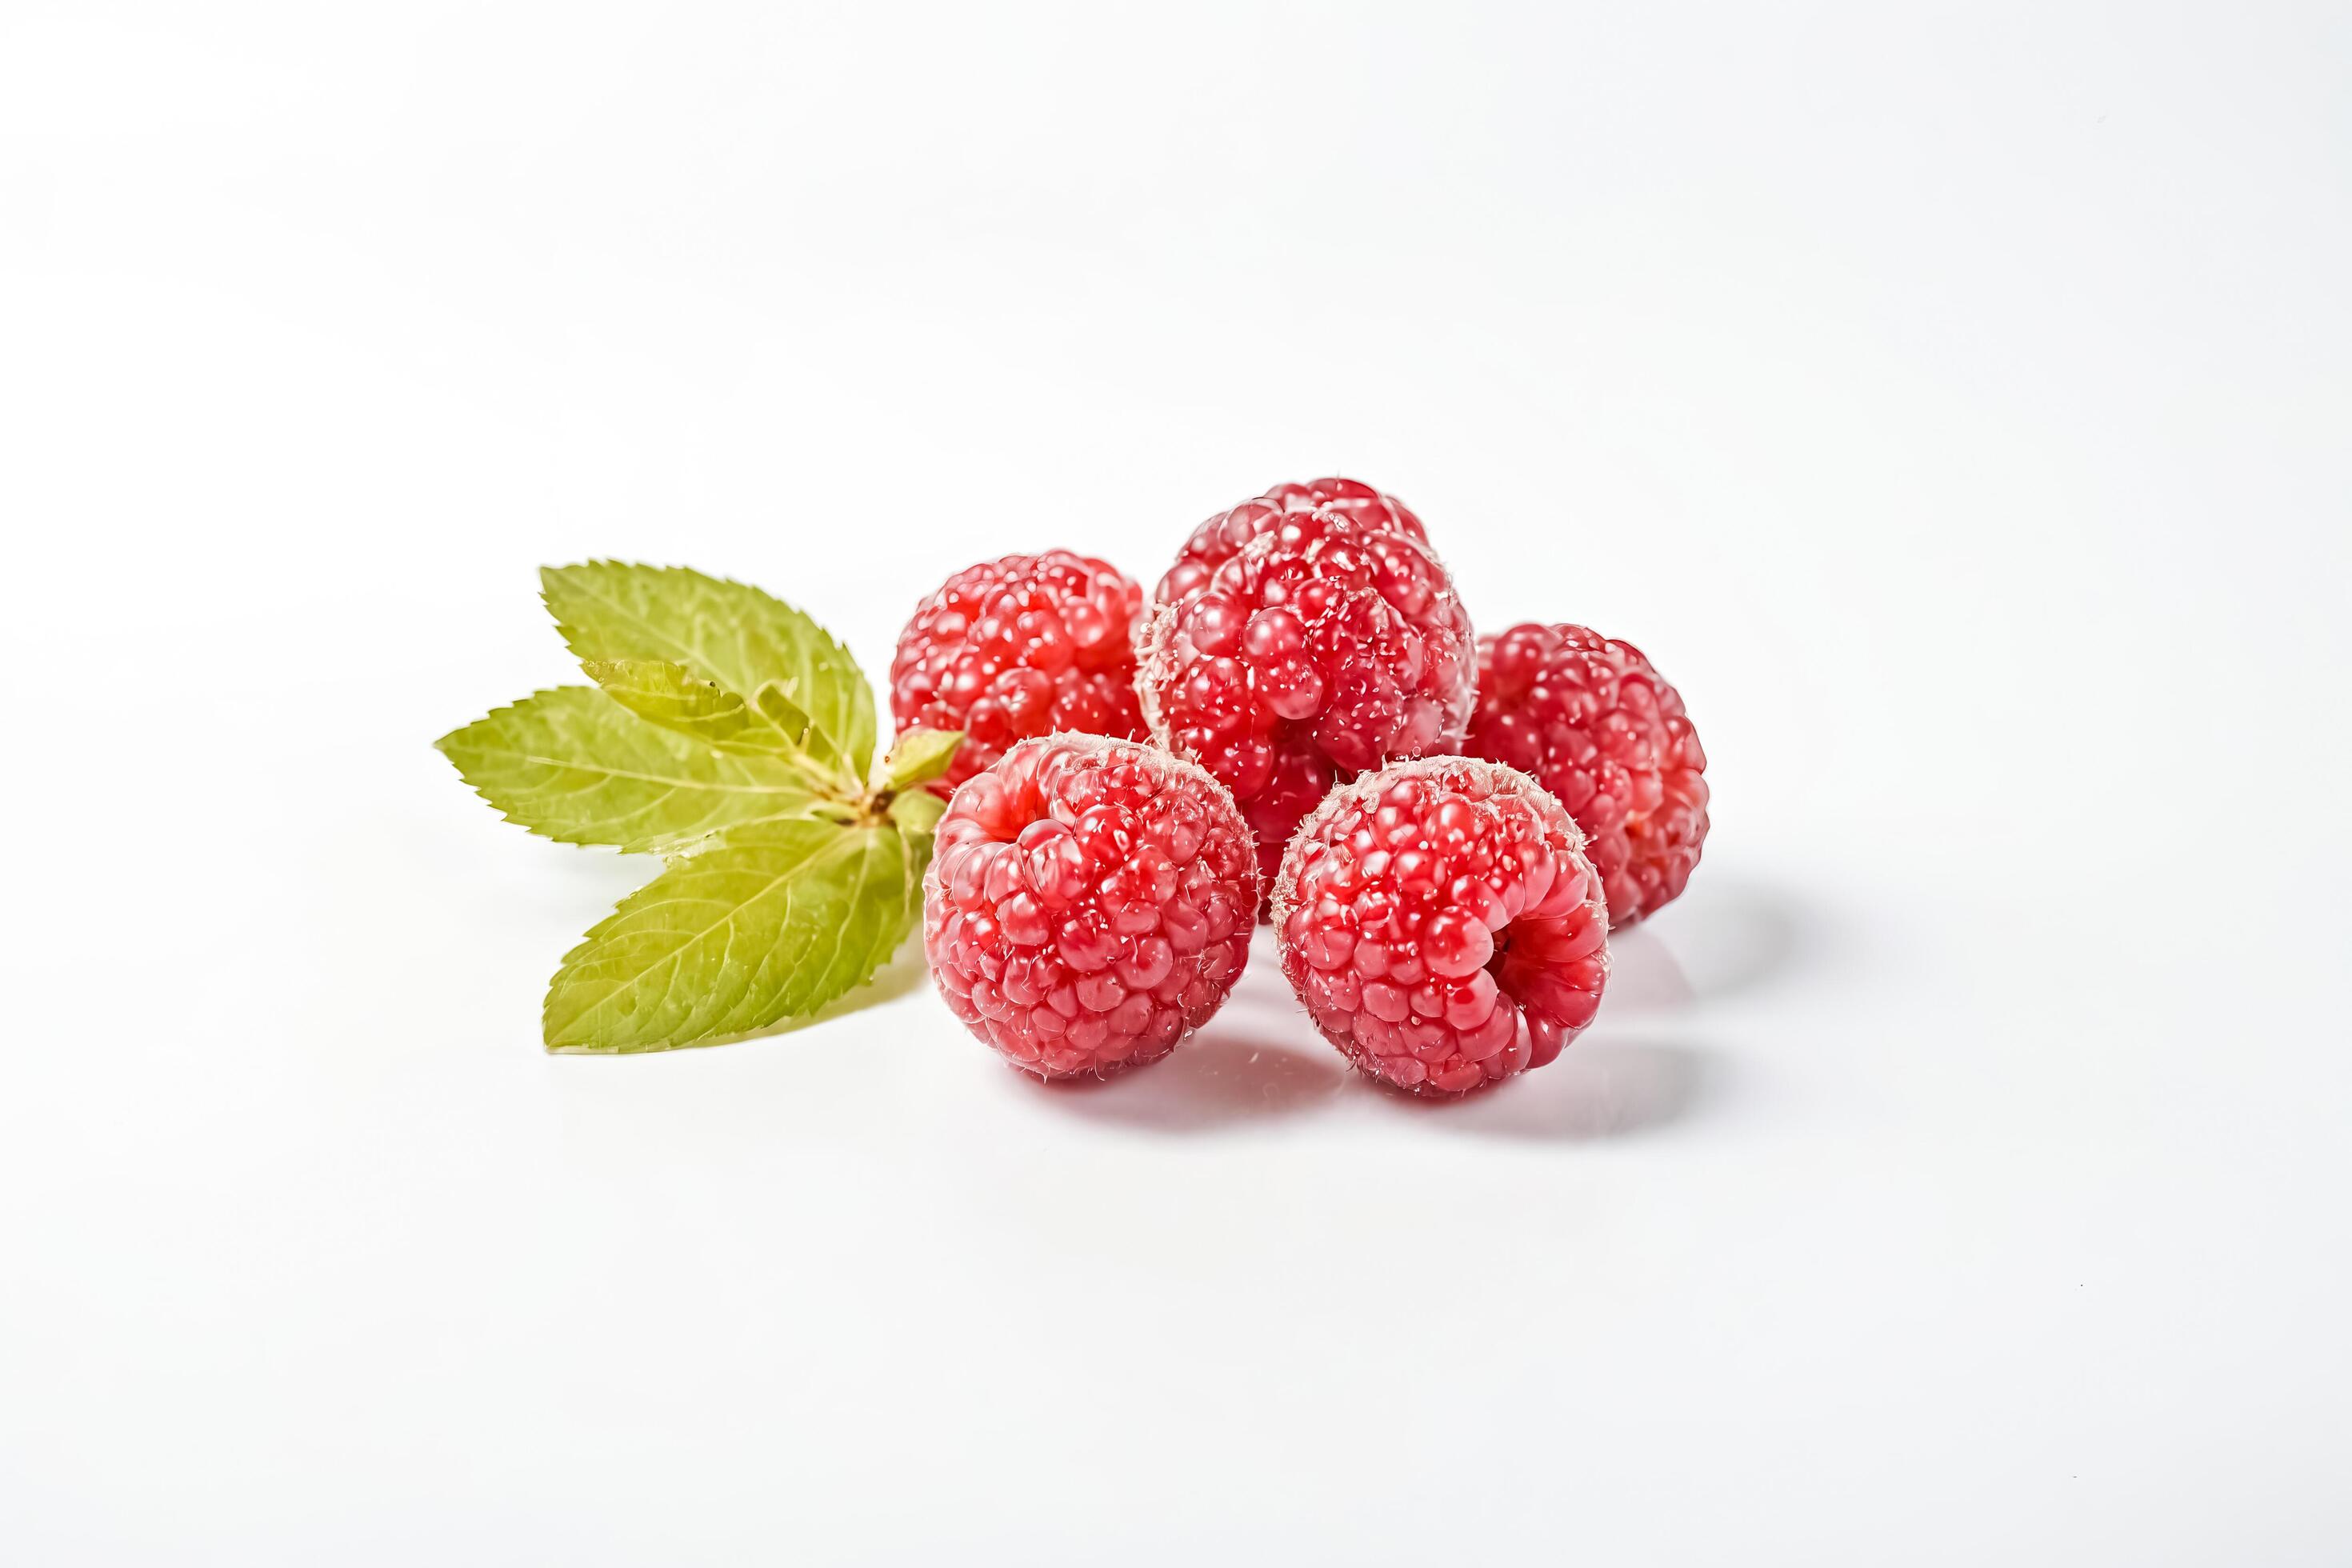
x,y
1955,405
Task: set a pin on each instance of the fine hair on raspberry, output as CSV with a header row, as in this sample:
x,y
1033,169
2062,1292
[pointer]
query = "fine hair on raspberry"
x,y
1027,644
1441,924
1591,720
1089,903
1324,646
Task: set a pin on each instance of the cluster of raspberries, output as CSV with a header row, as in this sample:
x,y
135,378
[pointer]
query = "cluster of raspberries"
x,y
1298,726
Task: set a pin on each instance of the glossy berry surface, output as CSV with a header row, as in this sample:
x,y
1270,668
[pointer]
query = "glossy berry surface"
x,y
1597,726
1220,538
1441,924
1025,646
1089,903
1324,646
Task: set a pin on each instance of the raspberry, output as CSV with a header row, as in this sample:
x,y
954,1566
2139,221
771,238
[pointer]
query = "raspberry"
x,y
1220,538
1326,646
1441,924
1025,646
1090,904
1603,730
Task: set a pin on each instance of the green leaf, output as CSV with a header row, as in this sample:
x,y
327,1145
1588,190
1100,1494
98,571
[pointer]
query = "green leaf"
x,y
771,924
919,756
574,764
724,631
918,813
674,698
801,734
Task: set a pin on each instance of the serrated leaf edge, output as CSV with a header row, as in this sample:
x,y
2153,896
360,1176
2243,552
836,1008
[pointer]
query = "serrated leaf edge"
x,y
571,635
914,856
673,848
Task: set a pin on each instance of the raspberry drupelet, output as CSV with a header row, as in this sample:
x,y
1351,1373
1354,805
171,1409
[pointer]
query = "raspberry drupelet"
x,y
1324,646
1220,538
1441,924
1090,902
1021,647
1601,729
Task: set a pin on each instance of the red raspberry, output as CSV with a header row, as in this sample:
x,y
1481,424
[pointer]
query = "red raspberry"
x,y
1220,538
1025,646
1603,730
1324,646
1090,904
1441,924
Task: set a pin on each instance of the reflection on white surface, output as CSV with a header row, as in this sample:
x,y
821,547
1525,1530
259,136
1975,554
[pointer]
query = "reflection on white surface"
x,y
1259,1062
1221,1077
1598,1089
1723,936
